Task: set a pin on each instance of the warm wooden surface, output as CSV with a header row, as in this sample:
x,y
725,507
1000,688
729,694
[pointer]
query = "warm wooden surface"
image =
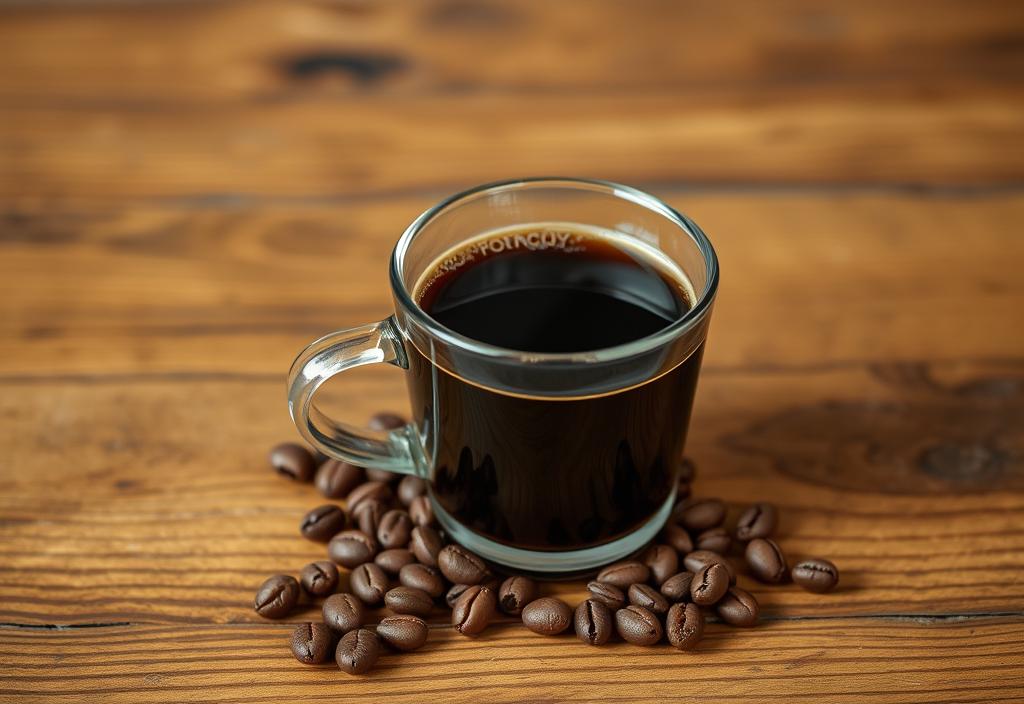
x,y
191,191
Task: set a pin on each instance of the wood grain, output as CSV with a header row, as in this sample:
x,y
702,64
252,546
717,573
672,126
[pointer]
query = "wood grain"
x,y
843,661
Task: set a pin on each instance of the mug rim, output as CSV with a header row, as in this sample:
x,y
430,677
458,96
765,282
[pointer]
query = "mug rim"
x,y
628,349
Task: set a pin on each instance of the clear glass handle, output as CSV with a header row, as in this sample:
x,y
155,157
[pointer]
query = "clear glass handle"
x,y
330,355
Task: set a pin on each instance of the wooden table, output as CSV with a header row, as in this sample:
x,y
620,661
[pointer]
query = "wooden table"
x,y
189,192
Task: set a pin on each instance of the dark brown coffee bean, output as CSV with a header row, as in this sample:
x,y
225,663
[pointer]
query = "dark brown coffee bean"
x,y
662,561
293,461
623,574
368,514
515,593
816,575
344,612
738,608
403,632
677,587
409,488
701,514
409,600
766,560
392,561
709,585
425,544
319,578
394,529
323,523
648,597
357,651
714,539
312,643
386,420
277,596
593,621
368,582
422,577
421,512
351,548
608,594
335,479
678,537
366,491
638,626
460,566
687,470
758,521
698,559
473,610
547,616
382,475
454,593
684,626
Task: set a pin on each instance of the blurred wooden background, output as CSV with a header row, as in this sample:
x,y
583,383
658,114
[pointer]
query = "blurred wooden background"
x,y
190,191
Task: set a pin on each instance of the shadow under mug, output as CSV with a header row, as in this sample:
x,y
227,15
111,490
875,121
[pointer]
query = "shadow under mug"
x,y
547,463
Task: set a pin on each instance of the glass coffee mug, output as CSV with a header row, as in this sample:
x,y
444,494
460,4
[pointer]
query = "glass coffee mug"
x,y
551,444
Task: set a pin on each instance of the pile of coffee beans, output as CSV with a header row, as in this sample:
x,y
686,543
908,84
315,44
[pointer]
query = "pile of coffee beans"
x,y
397,558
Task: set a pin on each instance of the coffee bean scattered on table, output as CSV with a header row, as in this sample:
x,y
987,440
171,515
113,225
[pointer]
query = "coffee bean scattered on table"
x,y
409,488
351,548
738,607
623,574
453,594
312,643
323,523
403,632
701,514
648,597
515,593
375,490
758,521
677,537
684,626
368,514
547,616
409,600
698,559
593,622
714,539
608,594
394,529
335,479
369,583
709,584
637,625
662,560
392,561
426,544
473,610
343,612
421,512
766,560
423,577
319,578
293,461
277,596
357,651
816,575
677,587
460,566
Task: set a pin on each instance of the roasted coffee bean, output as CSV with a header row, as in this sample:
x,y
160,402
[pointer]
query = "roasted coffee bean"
x,y
473,610
623,574
351,548
714,539
460,566
816,575
637,625
677,587
662,561
319,578
409,488
357,651
277,596
382,475
386,420
687,470
409,600
293,461
422,577
709,585
368,582
454,593
344,612
766,560
648,597
368,515
426,545
323,523
403,632
701,514
608,594
738,608
678,537
312,643
684,626
421,512
335,479
366,491
515,593
758,521
593,621
394,529
698,559
547,616
392,561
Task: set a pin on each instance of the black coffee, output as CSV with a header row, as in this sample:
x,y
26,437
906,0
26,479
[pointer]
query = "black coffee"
x,y
544,473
